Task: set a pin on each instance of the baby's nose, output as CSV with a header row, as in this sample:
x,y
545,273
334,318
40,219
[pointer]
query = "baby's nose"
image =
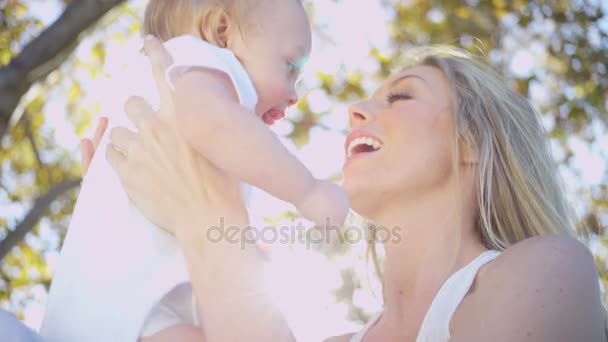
x,y
292,101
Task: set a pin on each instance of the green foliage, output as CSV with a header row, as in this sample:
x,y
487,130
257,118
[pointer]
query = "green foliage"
x,y
14,24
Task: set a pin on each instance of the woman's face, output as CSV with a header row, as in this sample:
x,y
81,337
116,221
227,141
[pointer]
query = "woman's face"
x,y
398,148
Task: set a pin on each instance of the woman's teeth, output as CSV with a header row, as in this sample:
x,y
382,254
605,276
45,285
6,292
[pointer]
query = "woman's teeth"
x,y
363,144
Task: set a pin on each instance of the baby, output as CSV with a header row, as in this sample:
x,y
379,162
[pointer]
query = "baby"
x,y
118,278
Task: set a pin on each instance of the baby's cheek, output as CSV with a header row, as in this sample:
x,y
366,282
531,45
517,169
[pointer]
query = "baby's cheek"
x,y
267,94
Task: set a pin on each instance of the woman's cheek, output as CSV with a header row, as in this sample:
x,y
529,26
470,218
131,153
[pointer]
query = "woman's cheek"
x,y
421,155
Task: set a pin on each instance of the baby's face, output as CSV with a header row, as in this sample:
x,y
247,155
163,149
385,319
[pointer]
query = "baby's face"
x,y
273,48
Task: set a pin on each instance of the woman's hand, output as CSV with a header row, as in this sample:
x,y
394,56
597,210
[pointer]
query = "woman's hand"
x,y
89,146
179,190
166,179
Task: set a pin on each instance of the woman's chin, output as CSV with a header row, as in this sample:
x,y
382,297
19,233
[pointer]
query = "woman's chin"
x,y
362,202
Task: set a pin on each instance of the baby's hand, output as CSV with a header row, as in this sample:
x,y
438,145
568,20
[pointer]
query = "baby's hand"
x,y
326,204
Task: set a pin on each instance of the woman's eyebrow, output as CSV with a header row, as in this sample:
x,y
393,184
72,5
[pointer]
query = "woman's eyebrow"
x,y
398,80
405,77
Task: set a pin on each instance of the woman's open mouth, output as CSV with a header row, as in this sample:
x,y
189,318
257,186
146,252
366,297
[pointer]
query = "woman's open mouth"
x,y
359,144
362,144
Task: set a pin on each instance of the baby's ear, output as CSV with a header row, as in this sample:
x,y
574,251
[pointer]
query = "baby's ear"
x,y
216,26
222,30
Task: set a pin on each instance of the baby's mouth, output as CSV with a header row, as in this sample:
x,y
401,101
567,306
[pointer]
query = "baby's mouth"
x,y
272,116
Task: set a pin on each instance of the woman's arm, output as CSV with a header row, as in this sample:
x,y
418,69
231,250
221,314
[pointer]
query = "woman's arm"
x,y
228,281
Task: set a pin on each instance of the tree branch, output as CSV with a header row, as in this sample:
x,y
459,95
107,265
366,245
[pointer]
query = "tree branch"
x,y
30,135
47,52
33,216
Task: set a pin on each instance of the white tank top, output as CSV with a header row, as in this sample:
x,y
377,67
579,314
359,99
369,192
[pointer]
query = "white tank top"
x,y
436,324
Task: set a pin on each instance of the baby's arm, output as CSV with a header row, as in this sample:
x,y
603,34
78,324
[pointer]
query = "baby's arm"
x,y
237,141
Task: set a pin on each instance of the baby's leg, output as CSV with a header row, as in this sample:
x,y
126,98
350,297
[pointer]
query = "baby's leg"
x,y
180,332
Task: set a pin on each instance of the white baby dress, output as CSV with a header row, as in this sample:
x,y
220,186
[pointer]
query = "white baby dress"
x,y
115,266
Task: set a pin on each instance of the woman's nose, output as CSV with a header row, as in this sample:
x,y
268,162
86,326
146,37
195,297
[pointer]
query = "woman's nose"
x,y
359,114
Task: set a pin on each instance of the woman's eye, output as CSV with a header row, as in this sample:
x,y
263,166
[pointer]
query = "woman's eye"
x,y
398,96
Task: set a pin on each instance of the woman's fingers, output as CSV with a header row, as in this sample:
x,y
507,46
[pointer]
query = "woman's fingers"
x,y
116,159
138,111
160,60
127,170
123,140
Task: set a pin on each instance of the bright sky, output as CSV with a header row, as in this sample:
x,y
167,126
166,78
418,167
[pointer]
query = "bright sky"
x,y
324,155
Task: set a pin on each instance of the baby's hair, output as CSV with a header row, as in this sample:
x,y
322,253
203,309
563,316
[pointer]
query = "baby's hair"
x,y
166,19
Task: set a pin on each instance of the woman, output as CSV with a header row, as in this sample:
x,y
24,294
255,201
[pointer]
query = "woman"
x,y
463,168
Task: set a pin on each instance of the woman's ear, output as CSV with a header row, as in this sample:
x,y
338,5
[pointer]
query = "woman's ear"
x,y
469,155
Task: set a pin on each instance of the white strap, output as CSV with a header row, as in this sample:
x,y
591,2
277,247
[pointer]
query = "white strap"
x,y
190,51
436,324
358,337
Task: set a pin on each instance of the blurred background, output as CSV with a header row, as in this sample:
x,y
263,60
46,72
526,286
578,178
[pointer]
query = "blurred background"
x,y
59,66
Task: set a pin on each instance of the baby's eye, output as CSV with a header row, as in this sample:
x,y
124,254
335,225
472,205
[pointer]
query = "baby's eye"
x,y
294,69
393,97
296,66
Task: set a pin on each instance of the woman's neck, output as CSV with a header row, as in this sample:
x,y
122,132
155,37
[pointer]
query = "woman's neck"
x,y
436,238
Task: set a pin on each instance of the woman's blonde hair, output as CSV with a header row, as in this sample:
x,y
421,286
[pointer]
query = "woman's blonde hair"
x,y
166,19
519,191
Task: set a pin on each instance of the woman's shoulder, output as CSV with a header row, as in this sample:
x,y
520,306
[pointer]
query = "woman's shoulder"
x,y
545,287
544,256
543,267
